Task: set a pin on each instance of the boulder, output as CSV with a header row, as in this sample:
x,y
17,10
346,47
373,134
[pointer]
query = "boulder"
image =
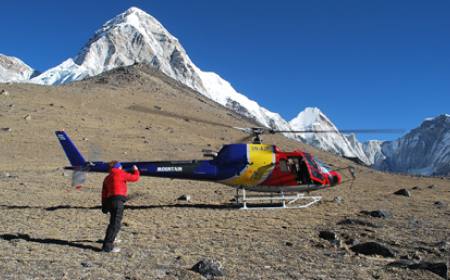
x,y
328,235
403,192
373,248
184,197
440,204
87,264
209,268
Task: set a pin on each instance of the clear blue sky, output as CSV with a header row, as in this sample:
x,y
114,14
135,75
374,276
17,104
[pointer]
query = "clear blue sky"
x,y
366,64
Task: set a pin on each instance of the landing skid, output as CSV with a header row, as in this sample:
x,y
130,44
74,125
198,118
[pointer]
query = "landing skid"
x,y
287,202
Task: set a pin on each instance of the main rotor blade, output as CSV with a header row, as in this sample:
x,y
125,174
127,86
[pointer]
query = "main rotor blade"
x,y
359,131
143,109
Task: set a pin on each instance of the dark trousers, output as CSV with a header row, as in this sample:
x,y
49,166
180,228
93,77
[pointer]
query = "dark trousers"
x,y
115,207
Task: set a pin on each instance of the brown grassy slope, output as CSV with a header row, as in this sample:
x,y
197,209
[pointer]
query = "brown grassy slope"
x,y
164,239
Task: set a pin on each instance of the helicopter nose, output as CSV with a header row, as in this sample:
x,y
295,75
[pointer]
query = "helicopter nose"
x,y
336,178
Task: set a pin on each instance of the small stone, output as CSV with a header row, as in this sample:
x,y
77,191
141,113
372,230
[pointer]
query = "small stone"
x,y
443,246
337,242
27,117
378,214
209,268
4,92
416,188
6,175
289,244
184,197
373,248
440,204
7,129
328,235
403,192
338,200
352,242
431,186
85,139
87,264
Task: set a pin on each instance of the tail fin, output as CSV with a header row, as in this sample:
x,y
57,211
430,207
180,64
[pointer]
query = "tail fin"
x,y
72,153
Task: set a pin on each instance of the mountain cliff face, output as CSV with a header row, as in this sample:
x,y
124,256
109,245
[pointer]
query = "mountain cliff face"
x,y
372,149
13,69
423,151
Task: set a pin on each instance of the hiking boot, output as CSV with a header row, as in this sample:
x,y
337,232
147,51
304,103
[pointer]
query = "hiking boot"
x,y
115,250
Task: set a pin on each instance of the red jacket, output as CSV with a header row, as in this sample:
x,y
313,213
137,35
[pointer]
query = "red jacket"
x,y
116,183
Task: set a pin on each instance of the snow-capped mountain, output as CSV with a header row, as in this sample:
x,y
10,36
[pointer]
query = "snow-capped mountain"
x,y
314,119
372,149
136,37
13,69
423,151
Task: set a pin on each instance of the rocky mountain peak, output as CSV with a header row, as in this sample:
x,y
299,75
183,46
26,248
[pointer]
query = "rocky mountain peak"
x,y
13,69
312,118
425,150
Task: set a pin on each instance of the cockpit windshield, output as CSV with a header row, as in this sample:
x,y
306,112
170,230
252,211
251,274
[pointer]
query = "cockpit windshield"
x,y
325,168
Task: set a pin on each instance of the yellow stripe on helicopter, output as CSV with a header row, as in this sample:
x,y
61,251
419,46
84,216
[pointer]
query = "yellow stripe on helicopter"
x,y
261,158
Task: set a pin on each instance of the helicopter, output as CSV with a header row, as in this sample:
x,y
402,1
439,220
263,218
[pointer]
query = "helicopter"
x,y
254,167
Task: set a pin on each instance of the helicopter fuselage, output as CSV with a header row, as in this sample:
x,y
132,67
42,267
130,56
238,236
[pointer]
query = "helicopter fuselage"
x,y
254,167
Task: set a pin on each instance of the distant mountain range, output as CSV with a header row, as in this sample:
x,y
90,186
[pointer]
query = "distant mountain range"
x,y
136,37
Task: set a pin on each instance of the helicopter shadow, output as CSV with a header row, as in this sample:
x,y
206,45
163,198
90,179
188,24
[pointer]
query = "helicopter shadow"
x,y
224,206
27,238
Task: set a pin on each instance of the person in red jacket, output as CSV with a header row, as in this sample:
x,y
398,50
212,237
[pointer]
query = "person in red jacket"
x,y
114,195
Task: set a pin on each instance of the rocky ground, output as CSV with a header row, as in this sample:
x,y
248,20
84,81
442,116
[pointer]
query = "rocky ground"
x,y
49,230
